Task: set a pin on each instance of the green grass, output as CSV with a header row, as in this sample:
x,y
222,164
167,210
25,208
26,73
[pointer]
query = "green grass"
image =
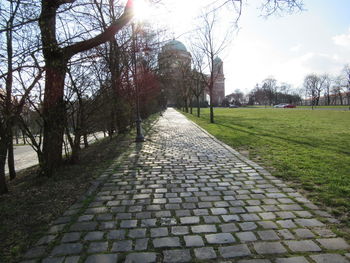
x,y
306,107
310,148
326,107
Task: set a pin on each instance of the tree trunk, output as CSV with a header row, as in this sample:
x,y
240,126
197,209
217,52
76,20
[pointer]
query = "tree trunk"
x,y
211,106
10,158
191,107
186,106
3,152
54,117
85,139
341,98
198,108
56,59
8,111
328,99
75,156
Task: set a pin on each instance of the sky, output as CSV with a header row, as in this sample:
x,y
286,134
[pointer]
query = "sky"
x,y
286,47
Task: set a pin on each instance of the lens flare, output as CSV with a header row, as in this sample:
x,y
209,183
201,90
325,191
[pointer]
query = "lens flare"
x,y
142,11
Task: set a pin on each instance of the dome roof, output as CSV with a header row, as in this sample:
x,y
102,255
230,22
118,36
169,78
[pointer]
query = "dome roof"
x,y
217,60
174,45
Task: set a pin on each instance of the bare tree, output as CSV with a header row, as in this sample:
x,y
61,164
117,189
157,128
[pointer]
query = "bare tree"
x,y
269,87
236,97
209,45
326,82
16,55
56,59
312,88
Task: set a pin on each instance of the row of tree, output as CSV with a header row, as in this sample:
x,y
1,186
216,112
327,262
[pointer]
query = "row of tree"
x,y
67,70
326,90
65,73
317,89
270,93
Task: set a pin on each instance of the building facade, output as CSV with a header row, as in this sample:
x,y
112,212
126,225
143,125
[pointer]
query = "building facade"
x,y
219,82
175,70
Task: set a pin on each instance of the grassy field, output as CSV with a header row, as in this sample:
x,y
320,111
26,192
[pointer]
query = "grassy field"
x,y
310,148
343,107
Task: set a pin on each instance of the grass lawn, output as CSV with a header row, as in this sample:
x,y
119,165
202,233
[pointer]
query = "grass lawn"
x,y
310,148
343,107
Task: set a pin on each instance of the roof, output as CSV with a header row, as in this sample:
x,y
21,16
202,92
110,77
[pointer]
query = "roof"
x,y
174,45
217,60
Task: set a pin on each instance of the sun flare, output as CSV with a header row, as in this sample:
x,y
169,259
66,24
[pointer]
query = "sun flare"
x,y
142,10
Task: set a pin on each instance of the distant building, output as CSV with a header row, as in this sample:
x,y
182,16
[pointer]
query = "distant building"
x,y
219,82
174,61
175,65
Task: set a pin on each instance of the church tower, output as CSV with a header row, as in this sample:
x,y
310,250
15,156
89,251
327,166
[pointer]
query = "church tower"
x,y
219,82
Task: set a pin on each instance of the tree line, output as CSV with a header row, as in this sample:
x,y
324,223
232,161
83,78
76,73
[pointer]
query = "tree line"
x,y
316,90
66,71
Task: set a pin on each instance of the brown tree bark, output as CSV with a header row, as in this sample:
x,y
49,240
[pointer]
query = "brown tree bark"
x,y
56,59
54,117
11,158
86,142
8,110
198,108
211,86
3,152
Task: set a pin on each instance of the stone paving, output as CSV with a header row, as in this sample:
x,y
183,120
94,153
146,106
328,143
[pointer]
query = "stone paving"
x,y
183,196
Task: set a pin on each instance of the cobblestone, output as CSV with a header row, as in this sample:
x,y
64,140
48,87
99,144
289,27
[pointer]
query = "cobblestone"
x,y
333,243
269,248
329,258
67,249
292,260
222,238
204,253
193,241
71,237
94,236
98,247
234,251
303,246
179,255
182,196
166,242
105,258
141,258
246,236
122,246
204,229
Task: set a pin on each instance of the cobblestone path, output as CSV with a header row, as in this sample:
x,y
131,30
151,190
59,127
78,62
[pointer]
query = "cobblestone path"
x,y
184,197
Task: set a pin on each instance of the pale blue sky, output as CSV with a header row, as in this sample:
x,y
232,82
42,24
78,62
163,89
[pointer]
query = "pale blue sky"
x,y
291,46
287,47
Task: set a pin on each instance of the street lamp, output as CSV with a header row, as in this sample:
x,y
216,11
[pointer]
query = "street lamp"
x,y
139,134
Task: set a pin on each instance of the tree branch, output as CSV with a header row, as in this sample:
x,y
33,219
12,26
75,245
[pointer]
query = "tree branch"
x,y
105,36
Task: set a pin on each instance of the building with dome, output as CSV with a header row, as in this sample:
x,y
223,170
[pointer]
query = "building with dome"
x,y
175,68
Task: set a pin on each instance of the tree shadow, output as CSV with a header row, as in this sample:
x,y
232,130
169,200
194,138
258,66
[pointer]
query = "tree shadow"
x,y
315,144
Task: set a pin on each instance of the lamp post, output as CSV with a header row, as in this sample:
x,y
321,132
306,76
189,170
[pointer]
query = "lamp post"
x,y
139,134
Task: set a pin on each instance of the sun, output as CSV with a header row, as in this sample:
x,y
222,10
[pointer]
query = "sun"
x,y
142,10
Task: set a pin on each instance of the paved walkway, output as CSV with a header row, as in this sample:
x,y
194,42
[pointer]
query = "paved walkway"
x,y
25,156
184,197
